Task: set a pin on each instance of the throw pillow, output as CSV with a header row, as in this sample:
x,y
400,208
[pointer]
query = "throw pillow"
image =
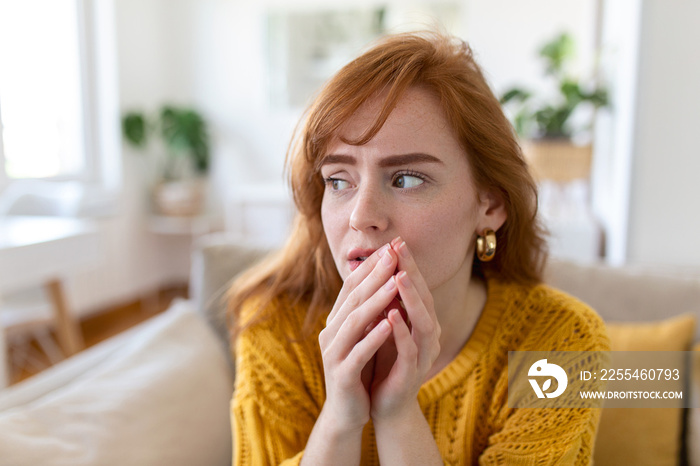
x,y
161,399
644,436
693,425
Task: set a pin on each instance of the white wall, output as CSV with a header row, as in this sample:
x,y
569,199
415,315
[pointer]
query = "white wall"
x,y
230,85
155,67
664,217
506,36
142,63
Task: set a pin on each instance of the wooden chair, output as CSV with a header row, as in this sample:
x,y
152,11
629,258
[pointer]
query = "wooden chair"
x,y
39,314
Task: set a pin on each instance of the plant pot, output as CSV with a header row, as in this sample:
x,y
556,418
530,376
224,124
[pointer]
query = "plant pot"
x,y
179,198
559,161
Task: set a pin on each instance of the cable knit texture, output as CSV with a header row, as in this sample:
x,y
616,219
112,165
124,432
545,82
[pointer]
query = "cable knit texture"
x,y
280,387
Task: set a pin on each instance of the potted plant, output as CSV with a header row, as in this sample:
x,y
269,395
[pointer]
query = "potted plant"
x,y
549,125
184,139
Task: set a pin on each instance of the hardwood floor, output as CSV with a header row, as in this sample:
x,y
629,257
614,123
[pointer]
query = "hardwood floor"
x,y
100,326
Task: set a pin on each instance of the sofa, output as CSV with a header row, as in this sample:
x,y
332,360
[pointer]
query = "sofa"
x,y
159,393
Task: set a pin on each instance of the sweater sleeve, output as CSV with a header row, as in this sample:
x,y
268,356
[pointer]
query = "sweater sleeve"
x,y
544,436
275,402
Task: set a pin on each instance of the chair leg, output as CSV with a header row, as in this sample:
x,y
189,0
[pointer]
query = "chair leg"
x,y
5,366
48,345
68,329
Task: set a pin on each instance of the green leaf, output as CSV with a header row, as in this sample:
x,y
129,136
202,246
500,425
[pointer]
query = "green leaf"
x,y
557,52
134,129
515,94
598,97
536,117
183,131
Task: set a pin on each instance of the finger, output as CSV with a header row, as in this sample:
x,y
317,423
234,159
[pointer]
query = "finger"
x,y
357,277
365,349
375,322
407,263
382,271
424,324
341,334
374,281
354,327
407,351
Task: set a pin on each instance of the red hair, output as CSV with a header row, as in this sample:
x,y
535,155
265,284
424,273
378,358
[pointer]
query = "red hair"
x,y
304,271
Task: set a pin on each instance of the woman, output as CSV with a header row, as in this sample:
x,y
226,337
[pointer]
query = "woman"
x,y
380,332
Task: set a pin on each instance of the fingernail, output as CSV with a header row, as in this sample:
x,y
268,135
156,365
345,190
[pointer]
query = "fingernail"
x,y
387,259
390,284
382,250
384,325
405,281
403,250
396,241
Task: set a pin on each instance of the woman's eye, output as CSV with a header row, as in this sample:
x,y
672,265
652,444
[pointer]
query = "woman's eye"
x,y
407,181
337,184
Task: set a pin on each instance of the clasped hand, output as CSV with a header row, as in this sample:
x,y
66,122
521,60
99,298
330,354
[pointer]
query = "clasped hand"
x,y
375,360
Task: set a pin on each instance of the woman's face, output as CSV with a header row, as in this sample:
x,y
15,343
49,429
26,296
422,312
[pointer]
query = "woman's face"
x,y
411,180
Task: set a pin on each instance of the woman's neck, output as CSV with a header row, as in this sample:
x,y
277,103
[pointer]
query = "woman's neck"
x,y
458,312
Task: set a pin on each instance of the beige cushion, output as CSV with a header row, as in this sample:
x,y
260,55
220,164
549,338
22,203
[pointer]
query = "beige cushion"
x,y
161,398
644,436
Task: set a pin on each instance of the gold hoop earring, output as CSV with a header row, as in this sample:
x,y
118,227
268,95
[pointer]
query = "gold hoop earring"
x,y
486,245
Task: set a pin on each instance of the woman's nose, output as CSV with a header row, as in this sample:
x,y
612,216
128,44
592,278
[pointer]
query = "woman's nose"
x,y
369,211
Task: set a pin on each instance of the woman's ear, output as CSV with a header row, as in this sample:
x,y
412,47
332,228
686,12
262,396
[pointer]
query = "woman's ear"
x,y
492,211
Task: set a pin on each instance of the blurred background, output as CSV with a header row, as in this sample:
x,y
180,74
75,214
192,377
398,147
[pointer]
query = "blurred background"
x,y
143,124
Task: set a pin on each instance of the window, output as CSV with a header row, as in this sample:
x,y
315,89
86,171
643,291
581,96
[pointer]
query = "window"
x,y
41,90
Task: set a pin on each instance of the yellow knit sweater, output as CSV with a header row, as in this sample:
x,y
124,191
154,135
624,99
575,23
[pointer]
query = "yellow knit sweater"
x,y
280,389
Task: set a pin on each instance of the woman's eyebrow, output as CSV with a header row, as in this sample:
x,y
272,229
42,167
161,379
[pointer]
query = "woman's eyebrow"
x,y
389,161
337,158
406,159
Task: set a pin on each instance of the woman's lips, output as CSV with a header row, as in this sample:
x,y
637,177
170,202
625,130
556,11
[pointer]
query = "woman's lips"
x,y
354,264
357,256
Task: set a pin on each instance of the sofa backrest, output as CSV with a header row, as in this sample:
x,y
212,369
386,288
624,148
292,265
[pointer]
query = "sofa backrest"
x,y
217,259
630,293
